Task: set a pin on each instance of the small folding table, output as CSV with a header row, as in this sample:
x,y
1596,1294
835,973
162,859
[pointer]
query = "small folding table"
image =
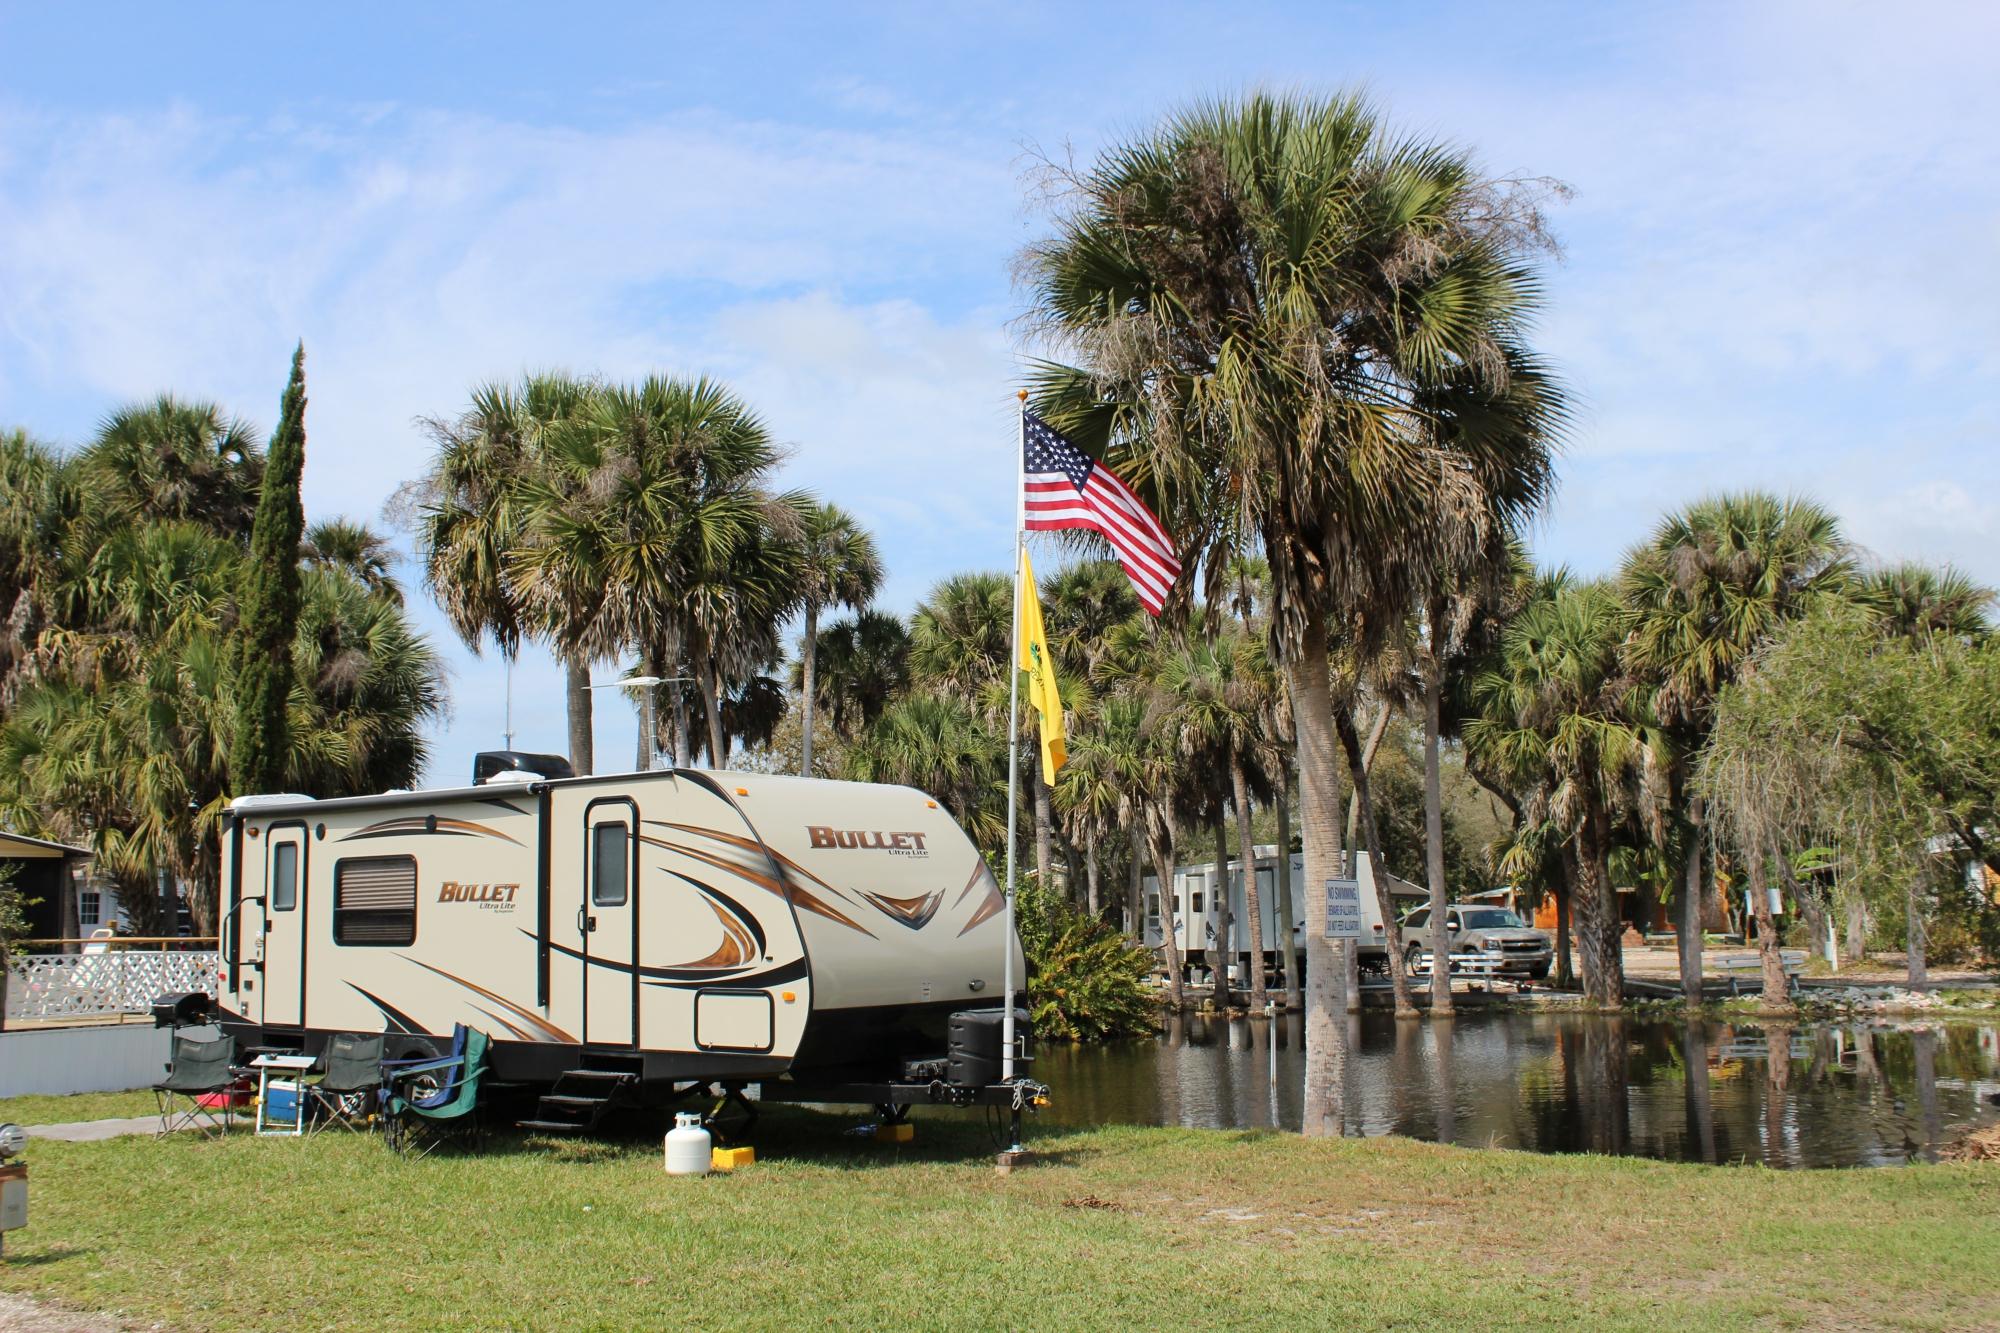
x,y
295,1066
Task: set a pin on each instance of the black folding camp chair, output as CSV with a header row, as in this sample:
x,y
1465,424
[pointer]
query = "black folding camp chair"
x,y
199,1069
346,1095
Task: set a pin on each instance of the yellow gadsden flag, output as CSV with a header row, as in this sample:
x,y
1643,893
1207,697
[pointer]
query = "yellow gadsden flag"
x,y
1041,669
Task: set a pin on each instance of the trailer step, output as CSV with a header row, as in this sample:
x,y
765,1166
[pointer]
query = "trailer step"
x,y
580,1100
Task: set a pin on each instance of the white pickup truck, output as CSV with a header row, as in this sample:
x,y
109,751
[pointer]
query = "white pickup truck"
x,y
1485,941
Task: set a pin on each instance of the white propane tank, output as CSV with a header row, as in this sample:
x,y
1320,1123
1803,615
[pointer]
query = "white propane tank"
x,y
688,1146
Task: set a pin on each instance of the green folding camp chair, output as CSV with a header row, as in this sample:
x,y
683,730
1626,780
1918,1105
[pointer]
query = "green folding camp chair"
x,y
426,1102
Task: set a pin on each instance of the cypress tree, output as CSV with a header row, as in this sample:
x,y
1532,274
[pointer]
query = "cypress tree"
x,y
270,608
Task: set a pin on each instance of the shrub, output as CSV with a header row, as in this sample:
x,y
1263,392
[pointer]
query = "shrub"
x,y
1086,982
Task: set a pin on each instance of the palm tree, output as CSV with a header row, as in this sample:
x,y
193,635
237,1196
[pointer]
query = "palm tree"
x,y
938,744
126,749
838,566
1267,297
736,605
475,511
340,543
655,502
1912,600
174,459
1222,690
1552,719
962,634
1463,615
1097,793
30,477
863,662
1084,604
1714,581
962,641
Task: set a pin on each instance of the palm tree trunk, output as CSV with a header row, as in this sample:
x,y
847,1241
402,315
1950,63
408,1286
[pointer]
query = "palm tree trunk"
x,y
5,964
1371,836
1355,803
1092,903
1913,936
1694,887
576,700
1350,950
656,664
1221,954
1287,914
1565,896
1434,819
1777,992
1043,850
1163,872
1319,793
1135,891
1857,927
1253,899
711,706
683,734
806,664
1598,927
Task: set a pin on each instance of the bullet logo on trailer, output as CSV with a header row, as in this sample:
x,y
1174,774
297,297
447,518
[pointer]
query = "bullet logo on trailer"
x,y
490,897
904,844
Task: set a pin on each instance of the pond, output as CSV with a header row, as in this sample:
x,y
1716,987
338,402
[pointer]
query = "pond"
x,y
1812,1095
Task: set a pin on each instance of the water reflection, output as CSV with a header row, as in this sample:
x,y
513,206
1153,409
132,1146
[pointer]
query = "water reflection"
x,y
1824,1095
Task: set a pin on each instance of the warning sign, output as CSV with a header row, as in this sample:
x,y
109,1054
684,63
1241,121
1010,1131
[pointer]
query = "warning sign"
x,y
1343,909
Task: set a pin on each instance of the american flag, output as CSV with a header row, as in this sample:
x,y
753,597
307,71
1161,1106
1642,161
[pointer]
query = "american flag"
x,y
1066,488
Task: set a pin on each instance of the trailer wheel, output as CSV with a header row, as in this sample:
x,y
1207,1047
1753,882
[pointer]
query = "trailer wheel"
x,y
1413,959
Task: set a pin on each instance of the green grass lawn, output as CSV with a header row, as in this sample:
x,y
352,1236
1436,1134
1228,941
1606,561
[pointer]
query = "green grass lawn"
x,y
1113,1227
39,1110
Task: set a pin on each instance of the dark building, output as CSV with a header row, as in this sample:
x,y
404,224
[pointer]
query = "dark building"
x,y
46,875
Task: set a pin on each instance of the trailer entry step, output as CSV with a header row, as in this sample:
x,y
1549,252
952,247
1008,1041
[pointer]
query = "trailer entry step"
x,y
580,1100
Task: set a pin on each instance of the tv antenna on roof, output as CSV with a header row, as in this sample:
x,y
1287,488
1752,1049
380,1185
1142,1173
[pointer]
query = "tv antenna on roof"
x,y
507,718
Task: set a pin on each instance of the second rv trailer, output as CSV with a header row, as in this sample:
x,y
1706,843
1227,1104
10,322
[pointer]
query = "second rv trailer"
x,y
1195,910
710,926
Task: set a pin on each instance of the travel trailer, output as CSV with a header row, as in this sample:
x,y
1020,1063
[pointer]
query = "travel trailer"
x,y
1195,912
675,926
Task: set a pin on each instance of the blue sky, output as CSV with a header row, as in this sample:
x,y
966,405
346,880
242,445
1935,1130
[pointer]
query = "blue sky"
x,y
1782,255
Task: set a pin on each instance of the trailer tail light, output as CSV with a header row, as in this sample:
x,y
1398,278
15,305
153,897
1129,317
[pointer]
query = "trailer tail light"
x,y
742,791
787,996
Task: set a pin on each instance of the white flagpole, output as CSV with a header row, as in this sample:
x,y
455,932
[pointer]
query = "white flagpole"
x,y
1013,755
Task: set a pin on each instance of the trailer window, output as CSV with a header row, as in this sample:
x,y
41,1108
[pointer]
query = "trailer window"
x,y
284,876
1196,906
610,876
375,901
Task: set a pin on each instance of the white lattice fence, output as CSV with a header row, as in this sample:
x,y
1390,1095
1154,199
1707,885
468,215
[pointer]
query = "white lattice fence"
x,y
87,985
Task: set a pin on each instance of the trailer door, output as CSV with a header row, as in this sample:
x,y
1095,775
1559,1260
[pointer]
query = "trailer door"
x,y
284,980
608,922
